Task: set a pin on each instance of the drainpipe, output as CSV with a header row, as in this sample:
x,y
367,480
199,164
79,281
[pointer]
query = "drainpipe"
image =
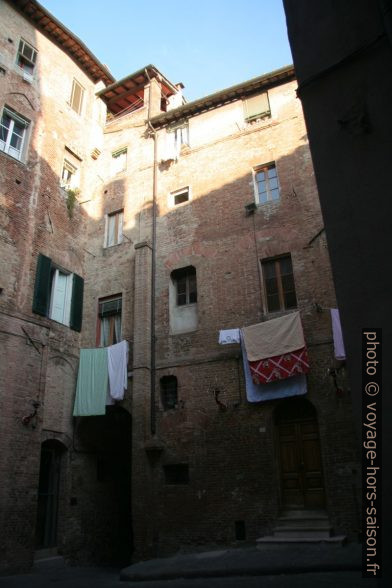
x,y
153,266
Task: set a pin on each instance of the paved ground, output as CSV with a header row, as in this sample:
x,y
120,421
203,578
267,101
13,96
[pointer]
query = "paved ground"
x,y
294,566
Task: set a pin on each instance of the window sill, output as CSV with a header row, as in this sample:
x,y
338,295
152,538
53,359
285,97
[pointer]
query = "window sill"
x,y
108,247
268,203
12,158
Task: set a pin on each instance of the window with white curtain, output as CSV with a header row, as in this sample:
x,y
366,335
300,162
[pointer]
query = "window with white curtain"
x,y
61,295
109,316
114,228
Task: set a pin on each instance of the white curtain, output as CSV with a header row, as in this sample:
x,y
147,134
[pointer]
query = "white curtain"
x,y
105,331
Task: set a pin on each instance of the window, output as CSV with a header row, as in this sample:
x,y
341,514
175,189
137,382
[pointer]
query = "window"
x,y
256,107
279,283
13,130
180,196
181,136
26,58
176,136
185,282
168,392
119,160
58,294
77,94
114,228
177,473
69,176
266,184
109,320
60,297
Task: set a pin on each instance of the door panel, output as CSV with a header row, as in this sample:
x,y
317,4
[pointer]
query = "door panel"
x,y
300,464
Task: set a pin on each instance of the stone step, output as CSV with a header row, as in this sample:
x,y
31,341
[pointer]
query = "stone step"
x,y
304,514
309,532
282,524
340,539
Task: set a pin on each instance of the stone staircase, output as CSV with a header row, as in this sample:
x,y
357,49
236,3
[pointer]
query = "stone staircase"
x,y
302,526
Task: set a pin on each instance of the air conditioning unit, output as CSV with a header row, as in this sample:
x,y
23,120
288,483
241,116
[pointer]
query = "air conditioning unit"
x,y
250,208
28,77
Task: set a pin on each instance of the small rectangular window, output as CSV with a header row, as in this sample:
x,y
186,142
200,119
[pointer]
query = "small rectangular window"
x,y
279,284
26,57
119,160
69,176
77,94
13,131
168,392
176,473
180,196
256,107
109,320
266,183
114,228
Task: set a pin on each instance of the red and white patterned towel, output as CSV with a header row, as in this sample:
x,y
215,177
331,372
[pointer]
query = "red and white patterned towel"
x,y
280,367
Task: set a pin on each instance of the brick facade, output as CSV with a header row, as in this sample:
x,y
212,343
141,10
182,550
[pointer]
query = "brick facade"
x,y
111,463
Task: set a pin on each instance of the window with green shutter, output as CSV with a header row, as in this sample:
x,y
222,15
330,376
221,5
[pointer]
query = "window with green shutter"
x,y
58,294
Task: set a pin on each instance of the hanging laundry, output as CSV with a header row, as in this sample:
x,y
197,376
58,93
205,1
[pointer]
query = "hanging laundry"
x,y
294,386
92,384
229,336
276,349
338,343
117,368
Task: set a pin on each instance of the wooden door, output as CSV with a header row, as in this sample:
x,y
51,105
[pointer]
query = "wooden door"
x,y
300,461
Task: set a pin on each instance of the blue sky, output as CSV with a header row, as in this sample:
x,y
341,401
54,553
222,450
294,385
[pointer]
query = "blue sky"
x,y
207,45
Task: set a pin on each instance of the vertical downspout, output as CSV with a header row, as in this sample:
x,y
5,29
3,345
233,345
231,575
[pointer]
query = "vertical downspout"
x,y
153,267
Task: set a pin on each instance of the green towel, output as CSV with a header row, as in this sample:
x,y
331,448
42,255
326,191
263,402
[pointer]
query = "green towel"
x,y
92,386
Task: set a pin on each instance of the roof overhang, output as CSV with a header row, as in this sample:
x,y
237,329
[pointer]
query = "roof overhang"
x,y
52,28
275,78
128,92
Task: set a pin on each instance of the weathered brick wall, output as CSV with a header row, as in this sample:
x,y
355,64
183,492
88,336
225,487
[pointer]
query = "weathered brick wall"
x,y
232,454
231,450
35,220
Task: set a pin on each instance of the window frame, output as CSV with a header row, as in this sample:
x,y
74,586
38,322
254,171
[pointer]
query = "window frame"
x,y
176,193
14,118
43,292
169,392
115,155
21,57
118,233
54,286
281,291
186,275
265,168
74,178
246,107
111,315
76,84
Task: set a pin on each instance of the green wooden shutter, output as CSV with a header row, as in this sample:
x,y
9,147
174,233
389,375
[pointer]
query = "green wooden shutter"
x,y
41,298
77,303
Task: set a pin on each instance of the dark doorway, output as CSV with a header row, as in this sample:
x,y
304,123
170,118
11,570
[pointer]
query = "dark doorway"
x,y
106,442
48,494
299,455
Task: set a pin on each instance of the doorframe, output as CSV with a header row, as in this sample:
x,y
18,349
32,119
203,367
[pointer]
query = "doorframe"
x,y
277,452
